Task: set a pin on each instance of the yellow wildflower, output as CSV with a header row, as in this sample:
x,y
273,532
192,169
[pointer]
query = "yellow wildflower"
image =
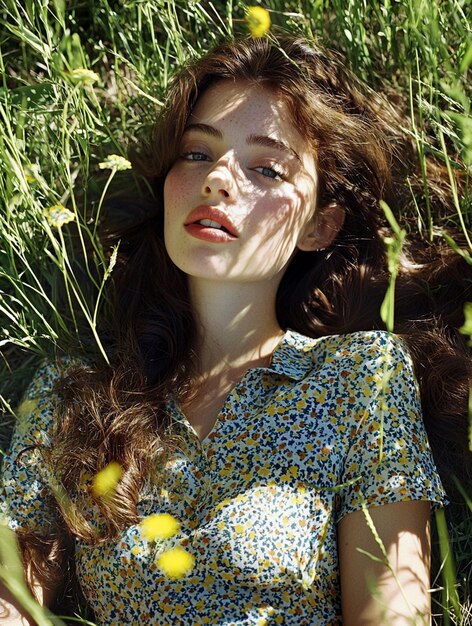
x,y
105,481
159,526
57,215
176,563
115,162
84,76
258,21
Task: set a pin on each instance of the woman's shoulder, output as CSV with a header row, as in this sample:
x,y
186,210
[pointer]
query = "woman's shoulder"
x,y
367,347
49,372
353,360
36,409
25,494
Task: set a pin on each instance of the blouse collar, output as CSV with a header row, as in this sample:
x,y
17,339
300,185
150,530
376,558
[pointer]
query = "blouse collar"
x,y
293,357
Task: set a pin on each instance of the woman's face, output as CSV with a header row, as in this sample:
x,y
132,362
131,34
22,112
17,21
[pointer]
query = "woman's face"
x,y
241,196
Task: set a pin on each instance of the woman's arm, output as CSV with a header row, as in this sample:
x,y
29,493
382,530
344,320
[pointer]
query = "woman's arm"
x,y
372,593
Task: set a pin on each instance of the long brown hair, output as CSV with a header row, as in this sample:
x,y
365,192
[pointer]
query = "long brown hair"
x,y
118,412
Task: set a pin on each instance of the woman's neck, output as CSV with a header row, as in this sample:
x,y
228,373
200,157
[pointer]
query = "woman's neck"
x,y
239,328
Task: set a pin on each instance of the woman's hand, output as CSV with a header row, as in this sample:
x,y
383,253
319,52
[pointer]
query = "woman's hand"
x,y
372,592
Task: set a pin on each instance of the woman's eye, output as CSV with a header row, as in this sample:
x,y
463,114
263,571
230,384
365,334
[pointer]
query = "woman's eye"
x,y
270,172
194,155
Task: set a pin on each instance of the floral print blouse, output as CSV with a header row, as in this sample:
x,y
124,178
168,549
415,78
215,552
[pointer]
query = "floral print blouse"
x,y
332,424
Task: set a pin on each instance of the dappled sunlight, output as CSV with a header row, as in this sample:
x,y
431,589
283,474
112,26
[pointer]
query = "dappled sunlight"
x,y
390,550
249,435
238,131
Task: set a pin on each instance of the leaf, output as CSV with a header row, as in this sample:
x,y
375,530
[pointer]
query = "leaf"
x,y
463,253
462,491
448,571
390,217
466,59
33,98
11,574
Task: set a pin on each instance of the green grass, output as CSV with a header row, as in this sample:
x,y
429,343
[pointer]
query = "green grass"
x,y
58,123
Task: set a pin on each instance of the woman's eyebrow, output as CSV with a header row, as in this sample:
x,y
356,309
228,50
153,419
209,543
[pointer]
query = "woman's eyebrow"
x,y
270,142
206,129
261,140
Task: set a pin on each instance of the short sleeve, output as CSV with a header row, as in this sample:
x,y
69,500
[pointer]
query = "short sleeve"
x,y
26,501
388,456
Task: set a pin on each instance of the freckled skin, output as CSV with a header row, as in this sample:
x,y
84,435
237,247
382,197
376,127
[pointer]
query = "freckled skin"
x,y
271,214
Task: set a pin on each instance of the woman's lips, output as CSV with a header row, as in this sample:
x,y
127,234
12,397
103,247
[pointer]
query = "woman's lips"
x,y
217,227
214,235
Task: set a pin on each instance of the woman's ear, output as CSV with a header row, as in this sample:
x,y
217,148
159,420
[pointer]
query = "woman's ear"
x,y
322,228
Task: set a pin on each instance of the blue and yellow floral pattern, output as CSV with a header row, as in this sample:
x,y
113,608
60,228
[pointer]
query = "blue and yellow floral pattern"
x,y
332,423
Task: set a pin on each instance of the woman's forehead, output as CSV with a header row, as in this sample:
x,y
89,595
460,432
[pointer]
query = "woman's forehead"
x,y
250,108
240,110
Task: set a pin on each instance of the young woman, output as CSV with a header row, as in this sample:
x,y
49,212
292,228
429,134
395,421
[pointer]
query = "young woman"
x,y
252,393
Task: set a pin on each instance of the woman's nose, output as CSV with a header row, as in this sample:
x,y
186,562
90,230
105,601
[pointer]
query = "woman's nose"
x,y
219,182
